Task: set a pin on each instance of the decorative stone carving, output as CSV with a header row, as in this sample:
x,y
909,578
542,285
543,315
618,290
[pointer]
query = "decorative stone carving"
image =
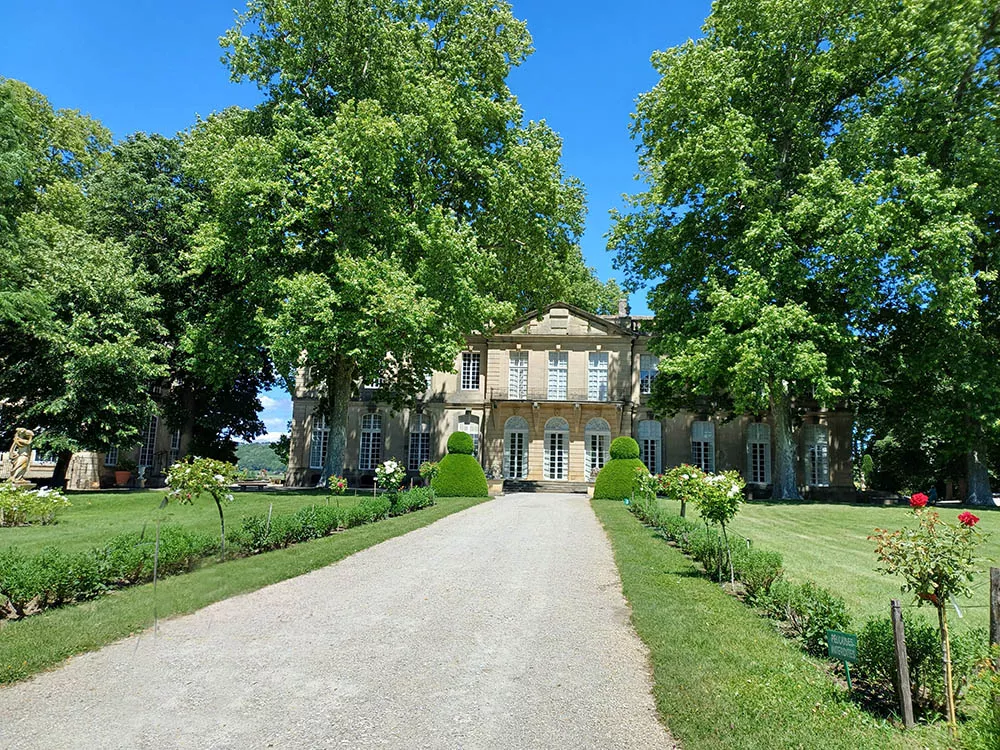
x,y
20,454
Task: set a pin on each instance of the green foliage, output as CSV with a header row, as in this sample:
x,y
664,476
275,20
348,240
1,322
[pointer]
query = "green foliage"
x,y
624,447
936,559
617,479
428,470
808,611
877,655
52,578
192,477
461,443
80,331
258,456
377,205
460,475
758,570
20,506
982,731
816,221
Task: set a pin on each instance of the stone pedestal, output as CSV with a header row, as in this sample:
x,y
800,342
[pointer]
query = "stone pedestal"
x,y
84,472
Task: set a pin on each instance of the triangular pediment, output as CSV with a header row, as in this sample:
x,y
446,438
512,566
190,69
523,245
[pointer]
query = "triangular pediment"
x,y
561,319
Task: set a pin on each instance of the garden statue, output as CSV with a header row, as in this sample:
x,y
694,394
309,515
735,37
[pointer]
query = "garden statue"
x,y
20,454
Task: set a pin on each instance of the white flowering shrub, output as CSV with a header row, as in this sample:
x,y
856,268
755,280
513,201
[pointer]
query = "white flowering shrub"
x,y
190,478
23,506
390,475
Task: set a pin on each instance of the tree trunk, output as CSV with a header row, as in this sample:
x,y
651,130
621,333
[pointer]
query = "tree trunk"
x,y
783,482
979,492
338,387
61,467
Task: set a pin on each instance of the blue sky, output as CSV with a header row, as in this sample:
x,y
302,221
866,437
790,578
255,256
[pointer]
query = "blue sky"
x,y
154,66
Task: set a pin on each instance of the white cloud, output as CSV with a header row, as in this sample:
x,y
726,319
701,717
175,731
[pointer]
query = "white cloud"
x,y
270,404
271,437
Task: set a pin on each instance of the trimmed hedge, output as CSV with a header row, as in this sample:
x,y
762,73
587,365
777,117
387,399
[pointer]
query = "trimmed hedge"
x,y
616,480
459,473
624,447
29,584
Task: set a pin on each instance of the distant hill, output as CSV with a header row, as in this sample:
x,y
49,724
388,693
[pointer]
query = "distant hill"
x,y
257,456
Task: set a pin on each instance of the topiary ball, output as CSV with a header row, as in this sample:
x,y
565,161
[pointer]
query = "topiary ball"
x,y
616,480
461,442
621,447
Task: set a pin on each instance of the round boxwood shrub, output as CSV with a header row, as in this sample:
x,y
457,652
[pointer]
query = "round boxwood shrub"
x,y
624,447
461,442
459,473
616,480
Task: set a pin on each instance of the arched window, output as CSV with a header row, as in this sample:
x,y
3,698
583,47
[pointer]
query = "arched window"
x,y
649,445
556,464
597,439
370,452
703,446
470,423
420,442
759,453
817,455
319,443
515,448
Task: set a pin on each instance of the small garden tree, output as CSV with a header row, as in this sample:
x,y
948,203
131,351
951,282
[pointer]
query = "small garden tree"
x,y
936,560
190,478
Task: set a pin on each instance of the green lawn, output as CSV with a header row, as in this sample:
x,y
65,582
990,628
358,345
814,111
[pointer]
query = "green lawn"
x,y
97,516
724,678
827,544
42,641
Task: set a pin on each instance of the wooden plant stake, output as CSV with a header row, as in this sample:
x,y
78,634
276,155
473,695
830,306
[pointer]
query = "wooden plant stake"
x,y
902,666
995,607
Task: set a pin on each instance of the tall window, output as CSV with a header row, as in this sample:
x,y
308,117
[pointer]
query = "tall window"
x,y
147,450
470,371
597,439
556,452
597,376
648,364
111,457
517,385
515,448
371,442
470,424
420,442
759,453
703,445
649,445
175,445
817,455
558,375
320,442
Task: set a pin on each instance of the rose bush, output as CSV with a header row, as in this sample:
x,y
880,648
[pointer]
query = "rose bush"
x,y
22,506
936,560
192,477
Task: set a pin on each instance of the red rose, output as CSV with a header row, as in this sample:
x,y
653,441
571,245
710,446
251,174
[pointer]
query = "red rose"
x,y
967,519
918,501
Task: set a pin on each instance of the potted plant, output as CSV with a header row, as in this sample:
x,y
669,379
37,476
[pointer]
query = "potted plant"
x,y
123,471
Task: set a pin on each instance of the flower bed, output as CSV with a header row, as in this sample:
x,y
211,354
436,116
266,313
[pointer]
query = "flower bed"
x,y
24,506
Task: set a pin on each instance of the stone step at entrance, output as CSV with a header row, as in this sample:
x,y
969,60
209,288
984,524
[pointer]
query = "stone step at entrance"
x,y
525,485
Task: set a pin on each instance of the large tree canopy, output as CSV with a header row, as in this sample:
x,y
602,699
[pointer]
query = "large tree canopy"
x,y
387,198
142,198
814,186
78,330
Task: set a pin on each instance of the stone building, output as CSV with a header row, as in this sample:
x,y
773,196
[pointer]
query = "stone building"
x,y
543,399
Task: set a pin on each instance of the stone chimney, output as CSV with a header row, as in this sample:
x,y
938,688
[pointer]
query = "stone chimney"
x,y
623,307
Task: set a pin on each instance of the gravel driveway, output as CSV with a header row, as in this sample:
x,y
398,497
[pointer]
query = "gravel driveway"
x,y
502,626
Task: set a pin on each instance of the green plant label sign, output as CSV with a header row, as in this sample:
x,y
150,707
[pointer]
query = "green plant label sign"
x,y
842,646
